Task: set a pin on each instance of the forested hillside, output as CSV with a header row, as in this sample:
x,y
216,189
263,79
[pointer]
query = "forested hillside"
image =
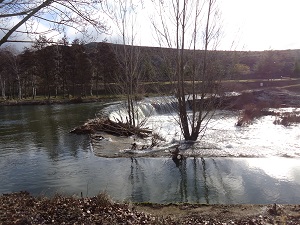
x,y
97,68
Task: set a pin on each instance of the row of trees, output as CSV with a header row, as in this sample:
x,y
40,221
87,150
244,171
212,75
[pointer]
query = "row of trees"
x,y
56,70
267,64
75,69
189,20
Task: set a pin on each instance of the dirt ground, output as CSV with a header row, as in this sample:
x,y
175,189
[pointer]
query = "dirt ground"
x,y
23,208
228,214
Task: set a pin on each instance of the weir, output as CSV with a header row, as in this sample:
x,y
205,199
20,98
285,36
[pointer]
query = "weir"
x,y
166,105
144,108
222,137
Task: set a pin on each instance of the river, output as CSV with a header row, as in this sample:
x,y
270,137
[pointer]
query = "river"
x,y
38,154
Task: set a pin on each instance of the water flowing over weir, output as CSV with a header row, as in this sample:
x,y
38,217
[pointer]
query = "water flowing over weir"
x,y
145,108
156,114
222,138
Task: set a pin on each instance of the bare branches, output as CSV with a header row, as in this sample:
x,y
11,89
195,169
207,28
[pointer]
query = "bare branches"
x,y
16,14
27,17
179,25
123,14
24,16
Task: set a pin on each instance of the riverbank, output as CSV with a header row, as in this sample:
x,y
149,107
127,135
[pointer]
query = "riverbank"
x,y
281,85
23,208
52,101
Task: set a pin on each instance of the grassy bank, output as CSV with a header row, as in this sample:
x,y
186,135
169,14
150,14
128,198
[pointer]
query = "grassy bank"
x,y
40,100
155,89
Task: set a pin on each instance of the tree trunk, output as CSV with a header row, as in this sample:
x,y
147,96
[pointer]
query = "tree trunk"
x,y
63,88
97,81
33,92
2,82
19,89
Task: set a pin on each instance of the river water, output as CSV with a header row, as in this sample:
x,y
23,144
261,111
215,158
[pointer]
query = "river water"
x,y
38,154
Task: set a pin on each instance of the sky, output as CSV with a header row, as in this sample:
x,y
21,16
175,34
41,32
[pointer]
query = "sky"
x,y
247,25
262,24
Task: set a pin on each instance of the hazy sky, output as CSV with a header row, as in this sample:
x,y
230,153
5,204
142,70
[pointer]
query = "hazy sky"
x,y
262,24
247,25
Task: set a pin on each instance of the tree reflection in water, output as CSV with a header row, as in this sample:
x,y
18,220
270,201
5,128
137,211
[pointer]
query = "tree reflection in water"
x,y
182,166
137,181
204,174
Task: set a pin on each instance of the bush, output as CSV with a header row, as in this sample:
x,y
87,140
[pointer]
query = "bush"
x,y
104,200
287,119
252,112
249,113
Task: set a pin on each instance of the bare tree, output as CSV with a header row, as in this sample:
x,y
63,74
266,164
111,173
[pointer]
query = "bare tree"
x,y
21,17
123,15
28,69
14,63
3,72
105,66
10,71
190,27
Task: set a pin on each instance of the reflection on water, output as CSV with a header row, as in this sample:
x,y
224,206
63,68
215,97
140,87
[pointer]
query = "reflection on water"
x,y
223,138
201,180
39,155
43,128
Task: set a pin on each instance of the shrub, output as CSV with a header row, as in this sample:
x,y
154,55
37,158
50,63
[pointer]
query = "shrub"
x,y
287,119
104,200
251,112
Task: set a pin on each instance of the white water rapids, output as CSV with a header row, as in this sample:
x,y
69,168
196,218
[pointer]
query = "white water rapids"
x,y
222,138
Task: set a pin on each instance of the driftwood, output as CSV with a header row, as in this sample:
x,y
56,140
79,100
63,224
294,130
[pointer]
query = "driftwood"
x,y
110,127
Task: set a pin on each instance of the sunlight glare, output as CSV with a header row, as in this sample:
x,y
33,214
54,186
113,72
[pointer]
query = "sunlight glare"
x,y
276,167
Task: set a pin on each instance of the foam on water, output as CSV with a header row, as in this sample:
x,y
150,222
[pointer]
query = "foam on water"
x,y
222,137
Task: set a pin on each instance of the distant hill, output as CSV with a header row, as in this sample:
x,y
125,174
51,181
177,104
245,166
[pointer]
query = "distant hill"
x,y
269,64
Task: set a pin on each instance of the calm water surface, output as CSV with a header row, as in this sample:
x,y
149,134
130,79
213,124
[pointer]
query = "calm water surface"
x,y
38,154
